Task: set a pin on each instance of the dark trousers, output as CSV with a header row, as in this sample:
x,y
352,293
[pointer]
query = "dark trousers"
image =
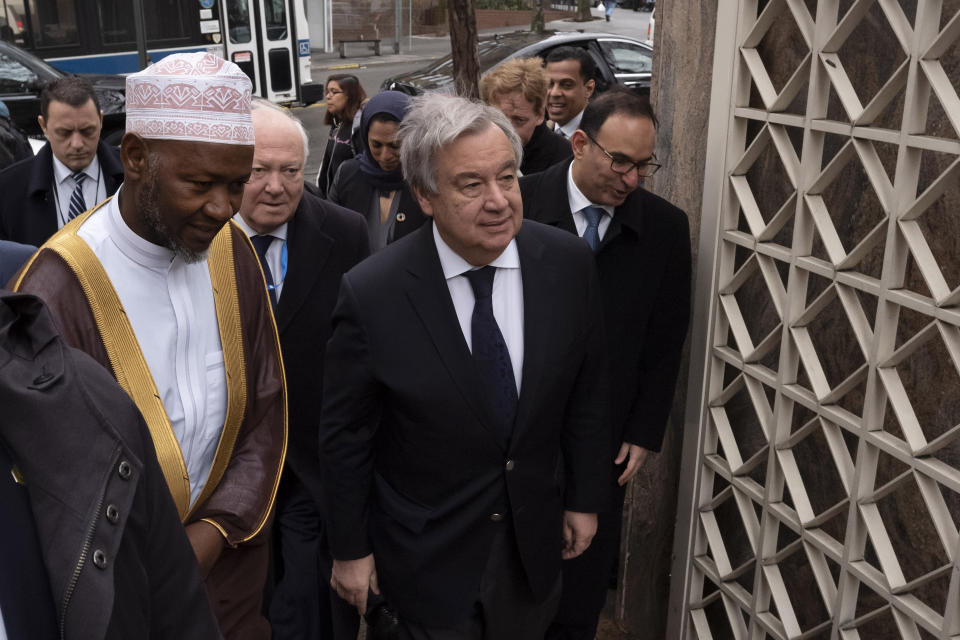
x,y
587,578
505,608
235,588
303,606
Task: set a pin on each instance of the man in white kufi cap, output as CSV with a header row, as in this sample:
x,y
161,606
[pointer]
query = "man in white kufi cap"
x,y
159,288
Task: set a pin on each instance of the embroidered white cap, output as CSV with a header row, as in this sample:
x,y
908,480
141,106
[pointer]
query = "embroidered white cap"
x,y
191,96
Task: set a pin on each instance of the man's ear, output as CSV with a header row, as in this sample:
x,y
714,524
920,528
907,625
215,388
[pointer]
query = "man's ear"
x,y
425,205
101,118
43,124
579,142
135,155
590,85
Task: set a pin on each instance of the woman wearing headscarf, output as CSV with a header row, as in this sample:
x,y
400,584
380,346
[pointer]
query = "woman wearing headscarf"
x,y
372,183
344,97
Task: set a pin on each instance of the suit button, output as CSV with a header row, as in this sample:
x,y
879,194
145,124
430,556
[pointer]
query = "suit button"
x,y
124,470
113,514
510,465
99,559
496,517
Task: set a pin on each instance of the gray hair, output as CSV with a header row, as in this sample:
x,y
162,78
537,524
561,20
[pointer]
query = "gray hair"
x,y
262,103
434,121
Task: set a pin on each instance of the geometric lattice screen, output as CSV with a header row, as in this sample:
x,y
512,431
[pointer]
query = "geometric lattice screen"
x,y
826,495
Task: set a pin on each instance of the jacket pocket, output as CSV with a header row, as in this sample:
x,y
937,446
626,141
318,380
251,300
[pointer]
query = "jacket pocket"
x,y
412,515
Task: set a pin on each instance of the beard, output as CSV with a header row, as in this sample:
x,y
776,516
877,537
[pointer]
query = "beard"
x,y
148,204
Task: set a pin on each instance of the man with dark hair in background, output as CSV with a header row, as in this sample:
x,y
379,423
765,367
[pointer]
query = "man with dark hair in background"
x,y
642,248
572,80
74,171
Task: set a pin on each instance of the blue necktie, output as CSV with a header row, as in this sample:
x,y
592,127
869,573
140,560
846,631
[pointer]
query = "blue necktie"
x,y
491,355
261,244
77,205
592,233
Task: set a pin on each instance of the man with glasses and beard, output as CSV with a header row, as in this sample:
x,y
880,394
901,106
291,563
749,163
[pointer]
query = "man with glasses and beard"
x,y
641,244
159,288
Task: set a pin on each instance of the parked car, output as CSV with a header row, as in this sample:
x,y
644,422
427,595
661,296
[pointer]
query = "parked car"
x,y
23,75
620,60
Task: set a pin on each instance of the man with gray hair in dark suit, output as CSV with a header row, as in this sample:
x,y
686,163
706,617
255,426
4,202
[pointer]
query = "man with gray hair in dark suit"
x,y
465,363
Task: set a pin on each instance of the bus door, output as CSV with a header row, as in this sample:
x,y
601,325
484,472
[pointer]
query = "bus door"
x,y
260,40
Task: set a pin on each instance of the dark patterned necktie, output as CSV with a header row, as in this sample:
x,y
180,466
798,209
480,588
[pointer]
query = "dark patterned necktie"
x,y
491,355
261,244
592,233
77,204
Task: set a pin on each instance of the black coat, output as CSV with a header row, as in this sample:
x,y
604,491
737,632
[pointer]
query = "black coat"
x,y
28,206
413,471
94,486
354,190
544,150
340,147
644,263
324,241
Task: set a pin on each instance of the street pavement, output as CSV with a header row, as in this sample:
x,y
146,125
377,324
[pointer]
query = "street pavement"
x,y
417,52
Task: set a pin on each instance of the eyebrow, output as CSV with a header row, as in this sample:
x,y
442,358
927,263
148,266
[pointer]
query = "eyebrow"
x,y
473,174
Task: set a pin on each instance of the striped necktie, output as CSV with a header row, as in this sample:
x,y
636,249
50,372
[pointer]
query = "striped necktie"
x,y
77,205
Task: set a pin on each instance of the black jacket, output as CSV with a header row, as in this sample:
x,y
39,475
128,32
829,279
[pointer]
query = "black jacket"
x,y
28,206
118,560
544,150
340,147
324,242
644,263
413,469
353,190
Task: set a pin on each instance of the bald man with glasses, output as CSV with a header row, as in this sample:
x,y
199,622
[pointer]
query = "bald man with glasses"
x,y
642,247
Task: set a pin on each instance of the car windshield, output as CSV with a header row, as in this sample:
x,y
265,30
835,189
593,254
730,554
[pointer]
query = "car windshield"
x,y
489,53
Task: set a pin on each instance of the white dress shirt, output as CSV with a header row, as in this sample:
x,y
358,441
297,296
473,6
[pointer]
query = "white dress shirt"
x,y
567,130
170,306
578,202
94,187
274,251
507,297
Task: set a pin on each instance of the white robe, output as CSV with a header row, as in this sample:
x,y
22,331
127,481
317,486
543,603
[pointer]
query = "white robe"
x,y
171,308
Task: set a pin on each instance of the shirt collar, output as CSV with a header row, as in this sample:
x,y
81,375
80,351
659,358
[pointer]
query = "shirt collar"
x,y
577,200
454,265
572,125
280,232
61,172
138,249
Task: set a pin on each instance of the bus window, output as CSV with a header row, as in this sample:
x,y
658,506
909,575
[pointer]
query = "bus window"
x,y
54,23
165,22
238,20
13,22
275,14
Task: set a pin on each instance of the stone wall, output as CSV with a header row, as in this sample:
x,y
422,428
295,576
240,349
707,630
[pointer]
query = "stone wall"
x,y
680,93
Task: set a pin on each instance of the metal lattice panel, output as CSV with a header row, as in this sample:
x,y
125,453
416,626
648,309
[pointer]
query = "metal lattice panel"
x,y
826,496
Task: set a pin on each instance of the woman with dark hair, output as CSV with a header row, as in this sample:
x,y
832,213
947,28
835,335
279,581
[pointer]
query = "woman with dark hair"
x,y
344,97
372,183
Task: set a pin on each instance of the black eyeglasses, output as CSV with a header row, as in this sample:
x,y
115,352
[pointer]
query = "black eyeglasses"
x,y
624,166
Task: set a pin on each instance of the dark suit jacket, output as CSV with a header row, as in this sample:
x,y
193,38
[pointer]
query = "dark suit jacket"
x,y
352,189
323,242
644,263
28,206
544,150
12,256
413,471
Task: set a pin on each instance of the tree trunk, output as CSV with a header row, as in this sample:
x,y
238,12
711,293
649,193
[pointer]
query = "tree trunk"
x,y
583,11
462,19
537,25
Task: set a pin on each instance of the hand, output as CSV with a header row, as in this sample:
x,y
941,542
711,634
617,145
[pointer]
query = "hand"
x,y
207,543
635,456
578,531
353,578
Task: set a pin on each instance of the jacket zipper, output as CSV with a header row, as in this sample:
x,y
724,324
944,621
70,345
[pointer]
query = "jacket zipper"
x,y
76,571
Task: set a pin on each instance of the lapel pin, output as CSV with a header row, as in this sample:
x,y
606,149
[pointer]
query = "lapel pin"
x,y
401,217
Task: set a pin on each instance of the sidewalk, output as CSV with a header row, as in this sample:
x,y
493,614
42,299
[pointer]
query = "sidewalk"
x,y
425,48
